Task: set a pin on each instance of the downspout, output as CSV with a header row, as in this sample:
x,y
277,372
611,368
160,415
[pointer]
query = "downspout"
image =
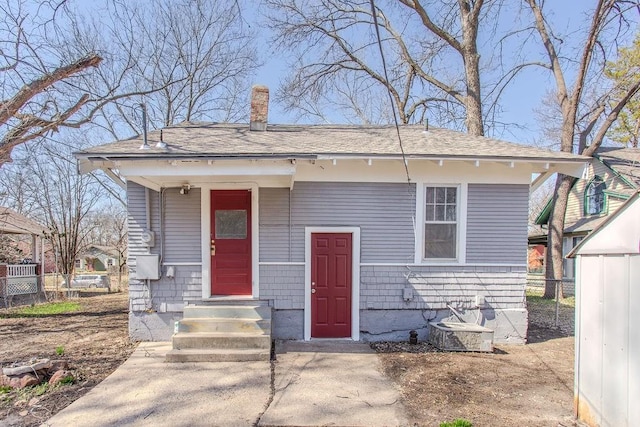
x,y
161,221
290,225
147,201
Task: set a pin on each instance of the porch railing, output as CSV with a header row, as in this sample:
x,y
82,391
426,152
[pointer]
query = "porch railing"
x,y
22,279
21,270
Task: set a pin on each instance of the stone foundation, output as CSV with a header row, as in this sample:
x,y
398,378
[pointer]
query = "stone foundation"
x,y
509,325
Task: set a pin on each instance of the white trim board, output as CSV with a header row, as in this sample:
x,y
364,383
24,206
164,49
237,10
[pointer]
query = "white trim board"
x,y
453,264
355,277
180,264
205,227
281,263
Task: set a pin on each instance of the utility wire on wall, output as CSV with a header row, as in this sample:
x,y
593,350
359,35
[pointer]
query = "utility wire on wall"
x,y
386,78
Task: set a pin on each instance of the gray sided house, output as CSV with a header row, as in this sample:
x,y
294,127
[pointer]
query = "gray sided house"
x,y
332,227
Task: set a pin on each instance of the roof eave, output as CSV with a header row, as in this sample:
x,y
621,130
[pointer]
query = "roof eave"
x,y
320,156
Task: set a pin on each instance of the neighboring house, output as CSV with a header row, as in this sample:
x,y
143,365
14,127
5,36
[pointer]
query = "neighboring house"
x,y
21,282
607,390
612,177
334,227
98,258
536,259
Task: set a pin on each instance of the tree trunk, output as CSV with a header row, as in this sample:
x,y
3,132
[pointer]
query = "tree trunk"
x,y
471,58
553,258
473,101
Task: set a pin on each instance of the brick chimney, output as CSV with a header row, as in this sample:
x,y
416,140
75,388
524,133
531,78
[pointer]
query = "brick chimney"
x,y
259,108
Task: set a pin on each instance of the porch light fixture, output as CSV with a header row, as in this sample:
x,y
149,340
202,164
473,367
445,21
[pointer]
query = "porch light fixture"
x,y
184,190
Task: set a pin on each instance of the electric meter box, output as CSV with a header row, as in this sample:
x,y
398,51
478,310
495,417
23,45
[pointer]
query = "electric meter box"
x,y
148,267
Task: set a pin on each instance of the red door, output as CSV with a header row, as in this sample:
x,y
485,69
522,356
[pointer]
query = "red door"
x,y
331,285
230,242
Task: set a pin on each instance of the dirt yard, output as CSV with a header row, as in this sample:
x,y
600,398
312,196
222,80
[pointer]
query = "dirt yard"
x,y
530,385
514,386
94,342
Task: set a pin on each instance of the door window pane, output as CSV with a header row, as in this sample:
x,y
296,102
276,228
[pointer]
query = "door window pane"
x,y
231,224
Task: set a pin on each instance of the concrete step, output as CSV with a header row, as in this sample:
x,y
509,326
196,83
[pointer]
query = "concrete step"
x,y
233,301
197,324
217,355
221,340
257,312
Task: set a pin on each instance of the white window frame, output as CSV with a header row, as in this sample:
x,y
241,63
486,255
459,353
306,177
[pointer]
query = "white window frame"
x,y
568,264
591,193
420,221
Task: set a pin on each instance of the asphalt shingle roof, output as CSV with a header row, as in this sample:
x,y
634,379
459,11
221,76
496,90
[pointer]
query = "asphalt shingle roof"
x,y
11,222
190,140
625,161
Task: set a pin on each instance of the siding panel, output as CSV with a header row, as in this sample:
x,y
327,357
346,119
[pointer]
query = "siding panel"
x,y
181,223
274,224
497,223
137,222
384,212
575,204
182,226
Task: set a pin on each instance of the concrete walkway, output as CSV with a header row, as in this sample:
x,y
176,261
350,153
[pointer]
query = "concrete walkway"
x,y
147,391
331,383
315,384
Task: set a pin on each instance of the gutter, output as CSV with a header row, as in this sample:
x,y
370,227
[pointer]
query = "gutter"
x,y
325,156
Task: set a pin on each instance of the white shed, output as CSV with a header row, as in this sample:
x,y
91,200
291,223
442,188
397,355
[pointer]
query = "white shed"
x,y
607,359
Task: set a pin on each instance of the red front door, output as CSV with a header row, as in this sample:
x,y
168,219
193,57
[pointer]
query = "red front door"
x,y
331,285
230,242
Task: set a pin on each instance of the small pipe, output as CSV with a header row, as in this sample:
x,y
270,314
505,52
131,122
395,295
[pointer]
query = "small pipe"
x,y
161,143
145,143
455,312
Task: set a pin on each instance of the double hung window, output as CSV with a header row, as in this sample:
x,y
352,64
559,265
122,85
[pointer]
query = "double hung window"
x,y
441,223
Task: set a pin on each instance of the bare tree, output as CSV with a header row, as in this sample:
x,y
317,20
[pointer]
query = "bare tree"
x,y
36,82
107,226
9,251
187,60
586,116
432,49
63,199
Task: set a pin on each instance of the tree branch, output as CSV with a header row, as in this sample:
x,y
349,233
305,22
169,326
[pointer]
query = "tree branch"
x,y
611,117
10,107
